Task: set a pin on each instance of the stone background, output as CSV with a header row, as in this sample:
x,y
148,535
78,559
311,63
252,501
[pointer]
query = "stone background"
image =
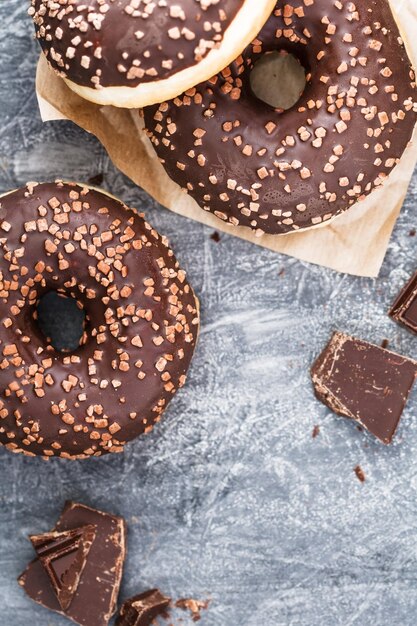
x,y
230,498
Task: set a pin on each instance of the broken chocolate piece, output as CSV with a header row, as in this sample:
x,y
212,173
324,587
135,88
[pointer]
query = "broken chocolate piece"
x,y
404,309
64,555
364,382
94,602
143,608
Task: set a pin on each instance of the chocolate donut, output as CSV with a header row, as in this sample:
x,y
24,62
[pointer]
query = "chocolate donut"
x,y
131,53
278,171
141,322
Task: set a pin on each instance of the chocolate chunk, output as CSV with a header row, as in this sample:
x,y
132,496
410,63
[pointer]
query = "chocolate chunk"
x,y
404,309
143,608
95,600
364,382
360,474
64,556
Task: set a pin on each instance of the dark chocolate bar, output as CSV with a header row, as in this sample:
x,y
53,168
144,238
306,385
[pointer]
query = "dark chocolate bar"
x,y
404,309
364,382
94,602
64,556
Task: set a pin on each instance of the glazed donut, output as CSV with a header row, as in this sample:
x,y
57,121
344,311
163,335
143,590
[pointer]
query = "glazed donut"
x,y
141,322
132,53
278,171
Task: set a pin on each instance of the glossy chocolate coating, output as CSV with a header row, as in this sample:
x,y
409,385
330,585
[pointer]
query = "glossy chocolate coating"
x,y
141,322
276,171
126,42
364,382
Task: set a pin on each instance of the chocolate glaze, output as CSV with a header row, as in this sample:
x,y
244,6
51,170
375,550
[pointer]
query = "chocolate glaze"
x,y
276,171
127,42
94,602
364,382
141,322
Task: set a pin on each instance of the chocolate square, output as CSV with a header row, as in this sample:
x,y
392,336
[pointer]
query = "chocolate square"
x,y
64,557
364,382
404,309
95,600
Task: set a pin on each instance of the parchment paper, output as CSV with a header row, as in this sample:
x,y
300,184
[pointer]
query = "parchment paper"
x,y
354,243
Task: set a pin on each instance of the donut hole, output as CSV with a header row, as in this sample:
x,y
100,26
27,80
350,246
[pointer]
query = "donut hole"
x,y
61,320
278,79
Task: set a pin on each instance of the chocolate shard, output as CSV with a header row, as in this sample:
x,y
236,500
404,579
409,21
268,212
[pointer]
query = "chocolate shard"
x,y
404,309
64,556
94,602
364,382
142,609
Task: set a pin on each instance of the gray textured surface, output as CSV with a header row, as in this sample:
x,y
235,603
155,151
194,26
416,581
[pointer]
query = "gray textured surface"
x,y
230,497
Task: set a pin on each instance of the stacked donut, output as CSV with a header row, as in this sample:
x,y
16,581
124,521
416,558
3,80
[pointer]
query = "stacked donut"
x,y
133,53
189,63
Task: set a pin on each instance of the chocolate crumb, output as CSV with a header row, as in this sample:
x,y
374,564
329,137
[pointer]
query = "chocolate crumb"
x,y
316,431
412,232
215,236
193,606
385,343
96,180
360,473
